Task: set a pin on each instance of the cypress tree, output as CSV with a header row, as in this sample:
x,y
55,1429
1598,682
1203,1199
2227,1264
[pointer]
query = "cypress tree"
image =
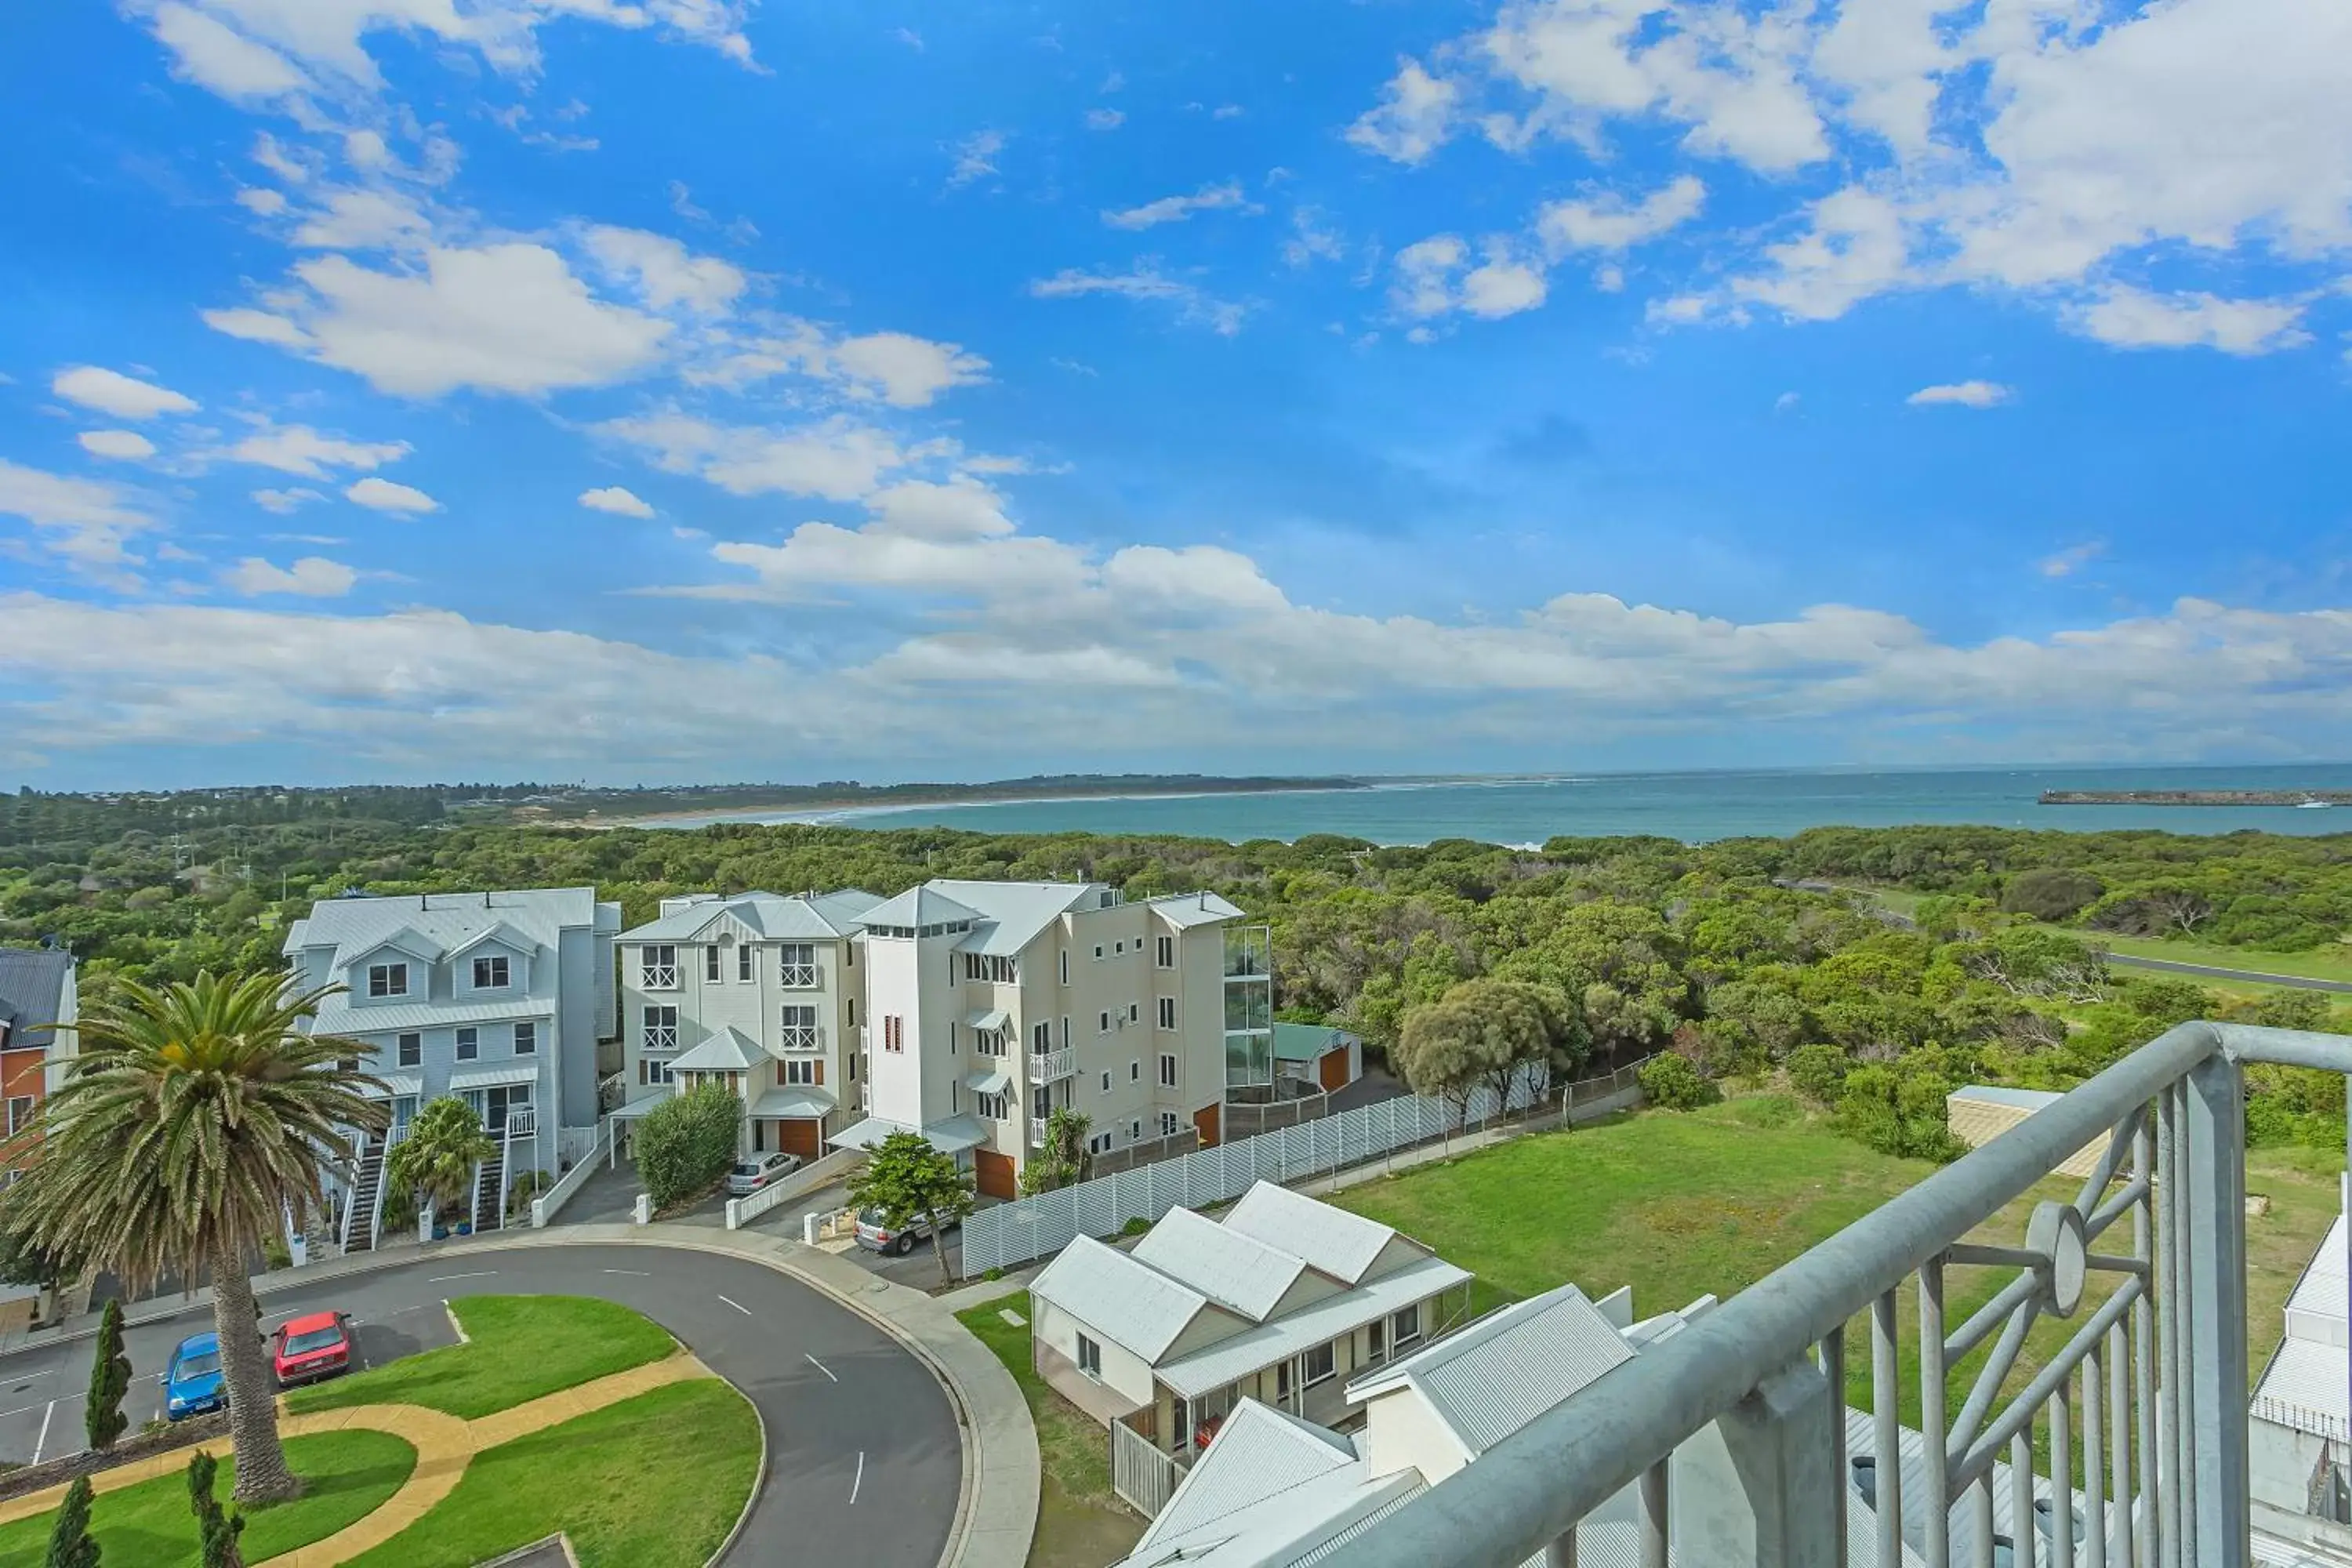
x,y
70,1545
109,1380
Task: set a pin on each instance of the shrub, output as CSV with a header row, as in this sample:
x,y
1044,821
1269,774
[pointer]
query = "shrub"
x,y
684,1144
1136,1226
1673,1084
2050,893
1898,1109
1818,1073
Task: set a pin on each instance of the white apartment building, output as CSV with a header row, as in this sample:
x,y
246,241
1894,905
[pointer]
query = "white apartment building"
x,y
2299,1441
758,991
991,1005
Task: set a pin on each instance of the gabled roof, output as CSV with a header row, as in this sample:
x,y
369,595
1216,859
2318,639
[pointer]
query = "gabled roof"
x,y
1316,1323
1259,1453
1184,911
405,939
1238,1273
773,917
32,992
353,927
338,1017
728,1050
500,933
796,1101
1343,1244
1015,913
919,907
1484,1382
1134,1306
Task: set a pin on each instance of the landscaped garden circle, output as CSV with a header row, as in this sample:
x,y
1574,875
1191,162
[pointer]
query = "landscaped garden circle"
x,y
529,1469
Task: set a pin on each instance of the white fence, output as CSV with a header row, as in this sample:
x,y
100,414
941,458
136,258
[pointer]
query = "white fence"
x,y
1004,1235
823,1173
1142,1475
591,1144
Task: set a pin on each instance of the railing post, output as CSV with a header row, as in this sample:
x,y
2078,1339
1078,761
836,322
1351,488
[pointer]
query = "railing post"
x,y
2213,1360
1757,1488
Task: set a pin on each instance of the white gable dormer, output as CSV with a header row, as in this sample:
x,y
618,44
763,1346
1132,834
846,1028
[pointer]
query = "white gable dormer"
x,y
494,962
726,929
396,970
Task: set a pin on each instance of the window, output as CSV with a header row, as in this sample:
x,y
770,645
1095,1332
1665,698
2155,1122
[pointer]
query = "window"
x,y
951,1040
659,968
1097,949
387,980
20,1113
1041,1102
652,1072
710,959
490,973
1376,1339
1090,1358
990,1106
661,1030
1098,1145
1169,1123
849,1063
800,1029
469,1044
955,1096
1118,946
1167,1070
1065,966
797,961
1105,1088
995,968
1135,1131
1066,1032
992,1042
744,961
526,1039
1167,955
1041,1037
1134,1012
1103,1025
1320,1364
893,1034
853,1006
1135,1072
807,1072
1281,1381
1405,1327
408,1051
1168,1012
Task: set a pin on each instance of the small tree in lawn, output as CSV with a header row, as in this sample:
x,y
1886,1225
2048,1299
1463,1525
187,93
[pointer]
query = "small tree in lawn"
x,y
906,1179
216,1531
109,1380
70,1545
437,1159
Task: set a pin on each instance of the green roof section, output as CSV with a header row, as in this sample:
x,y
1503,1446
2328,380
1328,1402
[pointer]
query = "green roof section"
x,y
1305,1042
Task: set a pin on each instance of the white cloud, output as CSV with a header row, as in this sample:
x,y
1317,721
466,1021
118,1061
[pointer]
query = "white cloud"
x,y
837,460
311,578
1612,223
1104,119
505,317
1501,286
1227,111
126,445
110,392
1424,269
363,220
384,495
216,56
261,201
975,157
83,521
1177,209
1430,280
665,273
2072,559
300,449
1414,116
1312,239
1144,281
1961,394
2134,318
1855,247
907,371
285,502
612,499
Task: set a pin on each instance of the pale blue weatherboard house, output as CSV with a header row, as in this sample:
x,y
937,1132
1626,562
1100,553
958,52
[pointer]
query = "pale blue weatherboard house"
x,y
500,998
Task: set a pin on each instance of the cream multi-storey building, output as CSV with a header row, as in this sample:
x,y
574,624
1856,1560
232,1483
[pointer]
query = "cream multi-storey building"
x,y
757,991
989,1006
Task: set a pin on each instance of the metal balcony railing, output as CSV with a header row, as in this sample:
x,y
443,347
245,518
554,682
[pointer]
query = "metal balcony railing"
x,y
2149,1256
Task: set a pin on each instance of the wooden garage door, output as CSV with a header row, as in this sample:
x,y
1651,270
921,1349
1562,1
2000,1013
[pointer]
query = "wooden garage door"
x,y
1205,1123
801,1135
1334,1069
992,1173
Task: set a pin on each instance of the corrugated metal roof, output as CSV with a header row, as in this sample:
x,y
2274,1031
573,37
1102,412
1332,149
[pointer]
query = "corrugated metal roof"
x,y
1488,1380
989,1080
794,1103
1016,911
353,927
492,1077
1184,911
1318,1323
1133,1305
1236,1271
728,1050
337,1017
397,1084
989,1018
1259,1451
2308,1375
919,907
1306,1042
803,917
2320,1291
865,1134
1335,1242
32,993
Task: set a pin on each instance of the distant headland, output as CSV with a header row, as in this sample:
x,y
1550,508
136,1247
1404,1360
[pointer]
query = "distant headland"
x,y
2297,798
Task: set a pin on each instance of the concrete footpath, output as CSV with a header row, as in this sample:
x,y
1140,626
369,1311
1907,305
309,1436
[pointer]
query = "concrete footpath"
x,y
996,1513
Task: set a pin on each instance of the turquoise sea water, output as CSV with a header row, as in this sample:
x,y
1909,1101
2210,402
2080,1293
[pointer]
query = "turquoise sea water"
x,y
1697,807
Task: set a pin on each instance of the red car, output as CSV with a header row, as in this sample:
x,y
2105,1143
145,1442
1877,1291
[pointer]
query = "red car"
x,y
311,1348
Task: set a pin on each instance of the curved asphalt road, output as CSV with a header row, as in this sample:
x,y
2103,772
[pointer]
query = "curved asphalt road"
x,y
2208,972
865,1457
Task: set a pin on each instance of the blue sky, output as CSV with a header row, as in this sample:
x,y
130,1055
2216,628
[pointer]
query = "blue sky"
x,y
685,389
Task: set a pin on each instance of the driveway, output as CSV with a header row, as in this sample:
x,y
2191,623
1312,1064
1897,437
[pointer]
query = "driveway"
x,y
865,1459
918,1269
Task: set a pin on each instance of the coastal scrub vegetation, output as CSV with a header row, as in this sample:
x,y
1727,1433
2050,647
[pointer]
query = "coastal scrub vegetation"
x,y
1875,968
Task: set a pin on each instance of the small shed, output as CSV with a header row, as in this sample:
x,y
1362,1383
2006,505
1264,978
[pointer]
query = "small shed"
x,y
1319,1055
1982,1112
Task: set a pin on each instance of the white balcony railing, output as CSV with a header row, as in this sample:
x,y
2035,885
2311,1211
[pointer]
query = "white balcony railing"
x,y
1051,1067
2148,1264
799,976
801,1038
661,1037
657,978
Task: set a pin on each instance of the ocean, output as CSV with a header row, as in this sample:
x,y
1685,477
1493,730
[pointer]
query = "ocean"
x,y
1697,807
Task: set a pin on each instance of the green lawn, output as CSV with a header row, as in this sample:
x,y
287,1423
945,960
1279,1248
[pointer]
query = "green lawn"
x,y
1081,1523
655,1481
346,1475
519,1348
2320,964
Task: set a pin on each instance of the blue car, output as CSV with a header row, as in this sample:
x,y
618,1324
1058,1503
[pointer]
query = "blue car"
x,y
192,1383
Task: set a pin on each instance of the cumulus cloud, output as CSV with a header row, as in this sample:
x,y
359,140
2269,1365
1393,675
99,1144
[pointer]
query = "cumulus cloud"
x,y
665,272
1610,222
300,449
127,445
1414,118
837,458
84,522
111,392
2135,318
905,371
1961,394
1433,277
311,578
384,495
1226,197
614,499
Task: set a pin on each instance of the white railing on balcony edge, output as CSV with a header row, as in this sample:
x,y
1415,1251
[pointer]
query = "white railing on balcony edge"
x,y
801,1038
799,976
652,978
1051,1067
2150,1256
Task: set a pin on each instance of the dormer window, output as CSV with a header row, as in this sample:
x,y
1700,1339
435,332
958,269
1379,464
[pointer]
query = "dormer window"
x,y
387,980
491,973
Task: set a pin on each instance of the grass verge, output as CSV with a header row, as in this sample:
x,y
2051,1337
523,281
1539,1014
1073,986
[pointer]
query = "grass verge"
x,y
1081,1523
588,1477
519,1347
346,1475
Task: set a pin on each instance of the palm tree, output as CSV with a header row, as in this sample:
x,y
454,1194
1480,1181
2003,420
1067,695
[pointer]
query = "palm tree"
x,y
443,1145
195,1121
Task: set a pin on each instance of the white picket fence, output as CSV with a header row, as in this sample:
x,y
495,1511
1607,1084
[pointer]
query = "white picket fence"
x,y
1004,1235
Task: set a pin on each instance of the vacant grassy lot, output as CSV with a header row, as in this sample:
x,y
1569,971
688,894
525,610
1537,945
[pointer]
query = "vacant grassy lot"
x,y
1081,1523
1677,1206
518,1347
2320,964
589,1477
345,1474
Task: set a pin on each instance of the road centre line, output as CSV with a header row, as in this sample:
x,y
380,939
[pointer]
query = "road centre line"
x,y
819,1365
858,1480
477,1274
738,1306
